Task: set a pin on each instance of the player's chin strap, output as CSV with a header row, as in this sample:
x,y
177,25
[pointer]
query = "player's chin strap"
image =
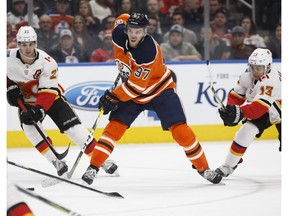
x,y
58,156
27,56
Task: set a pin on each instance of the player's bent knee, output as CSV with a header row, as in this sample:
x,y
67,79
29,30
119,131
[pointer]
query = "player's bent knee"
x,y
182,134
115,130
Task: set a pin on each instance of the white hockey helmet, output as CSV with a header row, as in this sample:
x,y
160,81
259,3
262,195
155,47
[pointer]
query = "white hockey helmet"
x,y
26,34
261,56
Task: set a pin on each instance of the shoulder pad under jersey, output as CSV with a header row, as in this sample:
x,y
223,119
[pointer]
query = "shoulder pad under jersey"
x,y
118,36
146,52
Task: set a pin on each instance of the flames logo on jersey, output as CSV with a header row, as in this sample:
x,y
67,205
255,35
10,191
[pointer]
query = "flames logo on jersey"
x,y
123,69
29,89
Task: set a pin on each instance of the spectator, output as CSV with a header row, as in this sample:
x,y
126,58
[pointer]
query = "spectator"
x,y
176,49
46,37
220,27
251,36
106,53
61,19
274,42
81,35
153,8
140,6
11,37
93,23
66,51
238,49
169,6
18,15
107,23
218,48
193,15
189,35
101,9
125,6
152,29
214,5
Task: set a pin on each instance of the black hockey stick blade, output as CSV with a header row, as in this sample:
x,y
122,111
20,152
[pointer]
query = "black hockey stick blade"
x,y
57,155
47,201
110,194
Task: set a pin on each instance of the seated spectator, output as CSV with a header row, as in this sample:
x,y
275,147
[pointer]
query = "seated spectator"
x,y
218,48
176,49
152,29
61,18
125,6
169,6
18,15
193,15
66,51
93,23
101,8
81,35
153,8
106,53
251,36
11,37
220,27
214,5
189,35
107,23
46,37
239,50
274,42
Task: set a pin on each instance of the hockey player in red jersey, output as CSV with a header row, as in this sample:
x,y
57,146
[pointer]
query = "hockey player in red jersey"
x,y
32,77
257,99
147,85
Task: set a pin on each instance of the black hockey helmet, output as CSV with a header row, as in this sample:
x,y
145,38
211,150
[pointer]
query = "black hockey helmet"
x,y
138,20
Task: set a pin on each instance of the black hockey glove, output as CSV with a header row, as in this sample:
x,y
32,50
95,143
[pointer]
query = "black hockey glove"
x,y
13,94
108,102
32,115
232,115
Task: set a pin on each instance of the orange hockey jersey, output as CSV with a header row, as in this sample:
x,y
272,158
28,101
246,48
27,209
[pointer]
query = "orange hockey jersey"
x,y
144,66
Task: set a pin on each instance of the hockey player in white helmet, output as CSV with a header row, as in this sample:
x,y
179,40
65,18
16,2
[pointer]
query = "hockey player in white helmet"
x,y
32,77
256,99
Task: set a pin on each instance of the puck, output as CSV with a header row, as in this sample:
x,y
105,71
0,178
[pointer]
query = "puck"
x,y
31,189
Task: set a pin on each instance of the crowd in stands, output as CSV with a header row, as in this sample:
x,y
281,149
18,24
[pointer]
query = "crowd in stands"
x,y
73,31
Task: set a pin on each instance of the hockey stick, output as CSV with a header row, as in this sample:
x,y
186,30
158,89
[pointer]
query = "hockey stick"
x,y
48,202
110,194
51,182
212,86
58,156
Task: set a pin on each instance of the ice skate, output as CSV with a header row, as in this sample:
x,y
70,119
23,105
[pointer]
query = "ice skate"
x,y
211,176
60,166
110,167
225,170
90,174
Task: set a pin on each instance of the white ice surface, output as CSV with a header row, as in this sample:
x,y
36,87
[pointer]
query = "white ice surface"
x,y
156,180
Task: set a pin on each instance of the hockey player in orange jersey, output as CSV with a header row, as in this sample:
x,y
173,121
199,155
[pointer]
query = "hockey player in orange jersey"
x,y
147,85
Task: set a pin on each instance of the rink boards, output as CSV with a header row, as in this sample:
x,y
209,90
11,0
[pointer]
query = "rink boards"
x,y
85,83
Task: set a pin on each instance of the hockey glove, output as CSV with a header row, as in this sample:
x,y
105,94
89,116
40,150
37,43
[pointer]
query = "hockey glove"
x,y
108,102
13,94
232,115
32,115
